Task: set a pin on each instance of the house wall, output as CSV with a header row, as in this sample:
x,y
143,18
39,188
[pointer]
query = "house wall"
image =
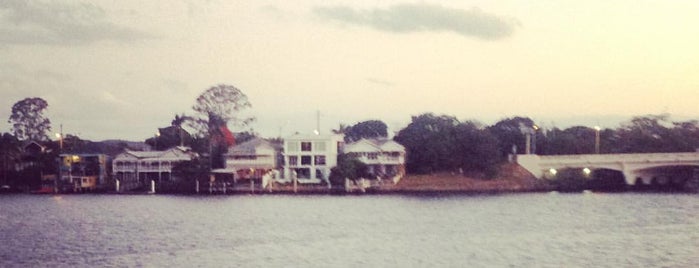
x,y
134,169
311,157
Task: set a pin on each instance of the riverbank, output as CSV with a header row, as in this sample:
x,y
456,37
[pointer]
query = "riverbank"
x,y
511,178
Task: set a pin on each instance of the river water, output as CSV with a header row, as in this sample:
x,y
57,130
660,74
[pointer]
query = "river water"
x,y
515,230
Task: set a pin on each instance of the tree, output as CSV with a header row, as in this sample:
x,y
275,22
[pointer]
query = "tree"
x,y
476,149
365,129
509,133
429,141
180,120
573,140
655,133
442,143
28,119
244,136
347,167
218,106
341,129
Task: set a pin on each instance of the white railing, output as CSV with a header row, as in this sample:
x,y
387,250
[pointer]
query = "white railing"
x,y
387,160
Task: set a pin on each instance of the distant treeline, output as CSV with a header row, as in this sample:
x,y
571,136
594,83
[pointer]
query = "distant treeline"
x,y
438,143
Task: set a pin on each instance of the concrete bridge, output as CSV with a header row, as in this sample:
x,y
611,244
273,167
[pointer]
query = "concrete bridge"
x,y
637,169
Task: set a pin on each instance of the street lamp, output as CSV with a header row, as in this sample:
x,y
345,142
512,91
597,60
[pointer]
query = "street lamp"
x,y
534,129
60,140
597,129
157,135
529,138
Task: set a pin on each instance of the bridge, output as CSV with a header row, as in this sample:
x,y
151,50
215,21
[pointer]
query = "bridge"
x,y
637,169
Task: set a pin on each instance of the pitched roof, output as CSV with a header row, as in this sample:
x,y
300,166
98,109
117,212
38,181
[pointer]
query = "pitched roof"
x,y
256,146
304,137
174,153
376,145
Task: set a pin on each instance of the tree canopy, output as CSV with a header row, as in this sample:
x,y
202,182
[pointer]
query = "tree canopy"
x,y
347,167
219,106
365,129
215,109
511,132
442,143
29,121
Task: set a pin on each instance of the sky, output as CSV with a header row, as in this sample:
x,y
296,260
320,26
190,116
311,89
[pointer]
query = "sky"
x,y
121,69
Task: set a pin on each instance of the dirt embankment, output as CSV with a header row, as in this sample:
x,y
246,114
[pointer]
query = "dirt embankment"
x,y
511,178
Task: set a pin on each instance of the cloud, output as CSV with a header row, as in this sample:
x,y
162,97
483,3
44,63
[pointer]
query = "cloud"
x,y
54,23
404,18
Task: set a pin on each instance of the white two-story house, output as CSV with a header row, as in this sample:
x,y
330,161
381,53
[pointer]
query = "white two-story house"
x,y
309,158
384,158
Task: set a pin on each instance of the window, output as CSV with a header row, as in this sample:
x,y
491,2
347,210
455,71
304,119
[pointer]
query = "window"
x,y
320,146
293,160
319,160
305,160
306,146
303,173
319,174
373,156
292,146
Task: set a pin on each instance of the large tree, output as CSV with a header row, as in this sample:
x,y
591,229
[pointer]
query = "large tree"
x,y
476,149
429,141
219,106
216,109
442,143
365,129
29,121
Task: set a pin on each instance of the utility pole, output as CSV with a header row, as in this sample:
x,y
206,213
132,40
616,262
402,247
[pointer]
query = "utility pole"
x,y
318,122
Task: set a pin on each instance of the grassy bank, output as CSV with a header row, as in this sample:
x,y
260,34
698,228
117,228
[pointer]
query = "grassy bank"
x,y
511,178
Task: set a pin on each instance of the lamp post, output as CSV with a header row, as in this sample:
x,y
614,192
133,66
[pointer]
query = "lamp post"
x,y
529,138
157,135
528,131
597,129
60,164
59,136
534,129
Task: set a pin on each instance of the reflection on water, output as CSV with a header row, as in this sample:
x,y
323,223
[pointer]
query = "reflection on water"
x,y
541,230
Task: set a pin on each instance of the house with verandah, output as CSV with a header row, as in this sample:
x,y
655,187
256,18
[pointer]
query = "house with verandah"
x,y
384,158
136,168
251,159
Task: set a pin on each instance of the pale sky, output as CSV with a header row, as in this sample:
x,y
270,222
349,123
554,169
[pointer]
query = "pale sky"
x,y
121,69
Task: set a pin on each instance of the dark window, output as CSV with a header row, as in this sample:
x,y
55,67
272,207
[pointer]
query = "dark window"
x,y
319,160
305,146
305,160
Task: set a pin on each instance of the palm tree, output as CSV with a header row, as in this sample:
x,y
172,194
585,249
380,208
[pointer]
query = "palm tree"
x,y
341,129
